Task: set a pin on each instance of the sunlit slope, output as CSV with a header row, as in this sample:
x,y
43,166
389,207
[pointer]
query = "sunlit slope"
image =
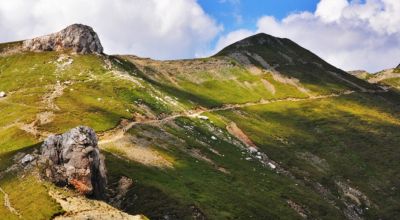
x,y
389,78
51,92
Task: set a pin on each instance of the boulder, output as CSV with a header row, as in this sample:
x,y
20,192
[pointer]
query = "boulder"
x,y
74,159
77,37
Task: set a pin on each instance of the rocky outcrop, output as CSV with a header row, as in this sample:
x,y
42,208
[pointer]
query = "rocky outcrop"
x,y
77,37
74,159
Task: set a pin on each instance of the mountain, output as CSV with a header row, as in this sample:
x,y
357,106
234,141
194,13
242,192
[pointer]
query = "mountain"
x,y
361,74
386,79
264,129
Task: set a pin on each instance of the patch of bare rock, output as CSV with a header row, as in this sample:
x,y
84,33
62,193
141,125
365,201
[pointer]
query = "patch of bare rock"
x,y
77,37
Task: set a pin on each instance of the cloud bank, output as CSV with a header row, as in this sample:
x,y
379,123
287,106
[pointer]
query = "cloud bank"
x,y
166,29
350,35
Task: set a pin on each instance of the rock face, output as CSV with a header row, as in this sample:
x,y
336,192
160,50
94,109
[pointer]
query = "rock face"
x,y
74,159
77,37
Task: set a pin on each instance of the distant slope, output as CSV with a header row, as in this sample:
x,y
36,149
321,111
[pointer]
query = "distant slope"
x,y
259,67
388,79
361,74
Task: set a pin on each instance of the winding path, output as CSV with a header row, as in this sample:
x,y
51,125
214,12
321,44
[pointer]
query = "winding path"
x,y
119,131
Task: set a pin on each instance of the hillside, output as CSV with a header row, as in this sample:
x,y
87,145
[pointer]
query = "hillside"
x,y
386,79
389,78
264,129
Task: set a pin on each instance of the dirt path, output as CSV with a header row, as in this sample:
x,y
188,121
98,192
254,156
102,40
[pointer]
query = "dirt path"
x,y
119,131
8,205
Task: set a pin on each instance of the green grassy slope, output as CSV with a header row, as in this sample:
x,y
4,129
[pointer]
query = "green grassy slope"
x,y
319,143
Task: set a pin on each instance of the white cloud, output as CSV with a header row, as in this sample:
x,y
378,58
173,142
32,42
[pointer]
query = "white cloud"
x,y
331,10
231,37
350,35
164,29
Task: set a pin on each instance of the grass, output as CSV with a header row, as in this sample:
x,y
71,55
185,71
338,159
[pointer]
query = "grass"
x,y
194,182
29,197
352,138
356,136
6,46
13,138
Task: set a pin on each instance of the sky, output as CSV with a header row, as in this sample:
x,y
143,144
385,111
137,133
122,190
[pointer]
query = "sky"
x,y
350,34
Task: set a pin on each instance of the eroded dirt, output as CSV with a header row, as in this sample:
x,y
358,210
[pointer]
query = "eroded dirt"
x,y
81,208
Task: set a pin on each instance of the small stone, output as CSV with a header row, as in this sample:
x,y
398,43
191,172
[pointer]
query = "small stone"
x,y
214,138
2,94
202,117
271,165
27,159
252,150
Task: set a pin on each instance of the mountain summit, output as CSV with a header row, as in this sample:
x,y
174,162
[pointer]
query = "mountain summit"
x,y
276,51
77,37
283,57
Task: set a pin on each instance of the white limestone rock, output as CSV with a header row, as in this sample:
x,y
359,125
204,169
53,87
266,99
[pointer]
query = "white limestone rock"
x,y
77,37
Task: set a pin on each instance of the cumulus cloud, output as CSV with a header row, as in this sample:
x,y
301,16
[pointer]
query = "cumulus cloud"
x,y
350,35
164,29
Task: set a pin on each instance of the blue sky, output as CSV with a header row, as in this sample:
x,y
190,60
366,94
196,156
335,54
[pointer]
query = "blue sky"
x,y
234,14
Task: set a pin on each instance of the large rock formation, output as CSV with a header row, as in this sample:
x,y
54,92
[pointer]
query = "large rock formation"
x,y
77,37
74,159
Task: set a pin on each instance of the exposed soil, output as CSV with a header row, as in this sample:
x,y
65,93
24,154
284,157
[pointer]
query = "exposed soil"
x,y
141,154
81,208
235,131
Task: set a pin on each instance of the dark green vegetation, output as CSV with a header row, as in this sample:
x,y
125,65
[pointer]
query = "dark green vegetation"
x,y
339,153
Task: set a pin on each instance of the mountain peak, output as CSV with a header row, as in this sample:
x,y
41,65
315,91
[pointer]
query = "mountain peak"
x,y
260,39
274,50
77,37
